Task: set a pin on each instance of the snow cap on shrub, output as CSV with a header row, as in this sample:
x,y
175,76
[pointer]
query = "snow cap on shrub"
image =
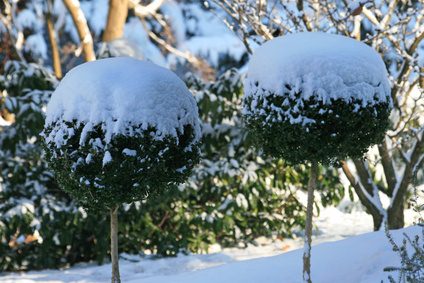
x,y
316,97
120,129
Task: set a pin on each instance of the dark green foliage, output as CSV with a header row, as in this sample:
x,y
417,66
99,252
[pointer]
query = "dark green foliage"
x,y
229,213
40,227
27,88
61,238
32,208
155,167
337,133
411,254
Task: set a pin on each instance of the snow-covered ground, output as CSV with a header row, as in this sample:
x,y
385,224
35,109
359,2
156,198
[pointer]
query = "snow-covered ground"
x,y
357,259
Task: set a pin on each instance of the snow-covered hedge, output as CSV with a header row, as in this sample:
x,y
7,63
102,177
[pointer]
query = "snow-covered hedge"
x,y
228,199
316,97
120,129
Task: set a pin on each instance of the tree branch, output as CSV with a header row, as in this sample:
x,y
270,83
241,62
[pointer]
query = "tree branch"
x,y
365,200
80,23
53,43
118,10
144,11
389,171
415,158
306,22
364,176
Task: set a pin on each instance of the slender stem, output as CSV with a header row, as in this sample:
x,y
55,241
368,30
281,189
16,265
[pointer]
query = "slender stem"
x,y
114,245
308,229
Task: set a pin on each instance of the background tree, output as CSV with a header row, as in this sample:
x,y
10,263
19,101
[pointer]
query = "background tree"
x,y
317,103
105,154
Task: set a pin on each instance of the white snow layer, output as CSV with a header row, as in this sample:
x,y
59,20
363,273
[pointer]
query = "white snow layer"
x,y
321,65
359,259
114,92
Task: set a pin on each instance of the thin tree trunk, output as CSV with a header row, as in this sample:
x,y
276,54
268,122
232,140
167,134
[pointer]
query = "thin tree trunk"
x,y
114,245
308,229
55,50
82,28
118,10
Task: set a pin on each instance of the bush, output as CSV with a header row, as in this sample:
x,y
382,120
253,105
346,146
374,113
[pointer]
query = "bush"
x,y
141,166
338,132
412,264
313,103
411,252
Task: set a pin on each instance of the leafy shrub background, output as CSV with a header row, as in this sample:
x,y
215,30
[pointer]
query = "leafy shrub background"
x,y
234,196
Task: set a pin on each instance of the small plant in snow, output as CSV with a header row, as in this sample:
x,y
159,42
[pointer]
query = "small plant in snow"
x,y
119,130
411,254
316,98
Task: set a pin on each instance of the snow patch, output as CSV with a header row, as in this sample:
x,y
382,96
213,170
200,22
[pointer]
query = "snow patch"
x,y
107,158
117,92
129,152
358,259
322,65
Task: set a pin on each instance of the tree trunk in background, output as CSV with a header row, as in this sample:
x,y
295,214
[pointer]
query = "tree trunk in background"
x,y
395,216
82,29
116,278
361,179
118,10
55,50
308,228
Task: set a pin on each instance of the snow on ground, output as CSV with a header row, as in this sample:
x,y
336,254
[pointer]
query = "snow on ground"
x,y
357,259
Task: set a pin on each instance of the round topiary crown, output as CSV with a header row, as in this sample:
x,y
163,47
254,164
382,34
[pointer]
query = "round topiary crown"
x,y
316,97
120,129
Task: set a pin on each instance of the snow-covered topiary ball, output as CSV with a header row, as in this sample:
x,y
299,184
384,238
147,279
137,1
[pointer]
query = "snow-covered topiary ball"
x,y
316,97
120,129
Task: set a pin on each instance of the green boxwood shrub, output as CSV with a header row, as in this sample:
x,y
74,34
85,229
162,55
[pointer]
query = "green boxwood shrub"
x,y
339,131
326,106
141,166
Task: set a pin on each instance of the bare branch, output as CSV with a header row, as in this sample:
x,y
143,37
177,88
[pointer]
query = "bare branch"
x,y
365,200
144,11
80,23
389,170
